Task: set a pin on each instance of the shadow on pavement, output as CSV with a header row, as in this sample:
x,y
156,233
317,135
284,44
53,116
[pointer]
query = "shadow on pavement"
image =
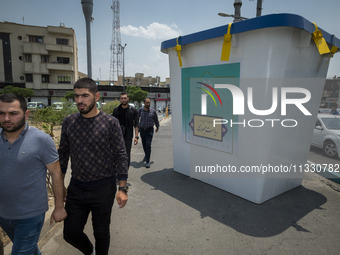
x,y
265,220
140,164
136,164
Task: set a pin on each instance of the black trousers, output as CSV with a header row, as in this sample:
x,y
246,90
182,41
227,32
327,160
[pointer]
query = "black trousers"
x,y
146,134
98,199
128,145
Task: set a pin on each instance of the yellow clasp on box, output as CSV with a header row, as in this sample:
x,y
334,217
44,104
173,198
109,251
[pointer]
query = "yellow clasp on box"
x,y
178,49
334,50
320,42
226,47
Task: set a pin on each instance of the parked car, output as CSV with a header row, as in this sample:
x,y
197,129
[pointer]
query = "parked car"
x,y
326,134
58,106
35,105
324,110
74,106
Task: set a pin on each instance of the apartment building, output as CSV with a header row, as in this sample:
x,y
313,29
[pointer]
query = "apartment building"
x,y
331,93
42,58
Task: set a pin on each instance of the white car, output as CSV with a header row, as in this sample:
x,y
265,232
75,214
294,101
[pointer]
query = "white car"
x,y
58,106
326,134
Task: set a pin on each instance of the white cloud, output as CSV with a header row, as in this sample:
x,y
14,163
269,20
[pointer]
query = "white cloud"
x,y
153,31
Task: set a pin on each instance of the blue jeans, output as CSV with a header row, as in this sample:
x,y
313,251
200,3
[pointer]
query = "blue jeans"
x,y
146,134
24,234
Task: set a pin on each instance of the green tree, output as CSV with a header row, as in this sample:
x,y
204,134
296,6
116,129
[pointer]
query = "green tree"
x,y
69,96
25,92
48,117
136,94
108,107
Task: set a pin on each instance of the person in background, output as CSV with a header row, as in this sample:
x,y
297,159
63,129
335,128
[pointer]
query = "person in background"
x,y
26,154
128,120
94,142
148,119
334,111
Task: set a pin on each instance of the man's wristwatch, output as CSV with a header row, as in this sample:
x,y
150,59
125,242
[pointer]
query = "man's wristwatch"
x,y
137,137
124,189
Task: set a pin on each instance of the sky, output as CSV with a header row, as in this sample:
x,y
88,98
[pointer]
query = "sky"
x,y
146,24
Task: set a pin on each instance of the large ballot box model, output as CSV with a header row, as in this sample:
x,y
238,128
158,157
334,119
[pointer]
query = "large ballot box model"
x,y
244,100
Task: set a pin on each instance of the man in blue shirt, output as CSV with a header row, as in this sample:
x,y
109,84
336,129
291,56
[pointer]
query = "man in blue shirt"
x,y
25,153
334,111
148,118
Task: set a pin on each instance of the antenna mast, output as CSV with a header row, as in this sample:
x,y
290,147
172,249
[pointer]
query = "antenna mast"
x,y
116,55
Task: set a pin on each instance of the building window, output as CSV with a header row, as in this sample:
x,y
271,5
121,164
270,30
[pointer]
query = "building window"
x,y
28,58
44,59
62,60
45,78
64,79
35,39
62,41
29,77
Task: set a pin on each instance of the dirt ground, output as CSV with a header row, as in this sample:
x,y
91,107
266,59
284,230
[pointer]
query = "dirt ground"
x,y
57,131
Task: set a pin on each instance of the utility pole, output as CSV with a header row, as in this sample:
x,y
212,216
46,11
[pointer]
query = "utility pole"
x,y
237,6
122,48
237,13
259,8
87,10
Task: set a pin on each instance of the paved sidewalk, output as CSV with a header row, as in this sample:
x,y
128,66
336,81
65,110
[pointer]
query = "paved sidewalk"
x,y
169,213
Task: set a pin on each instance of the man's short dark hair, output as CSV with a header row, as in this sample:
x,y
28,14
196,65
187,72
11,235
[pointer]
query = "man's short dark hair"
x,y
124,93
146,99
86,83
10,98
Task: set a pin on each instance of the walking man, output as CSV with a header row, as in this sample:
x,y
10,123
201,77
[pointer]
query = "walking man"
x,y
25,155
148,118
94,141
128,120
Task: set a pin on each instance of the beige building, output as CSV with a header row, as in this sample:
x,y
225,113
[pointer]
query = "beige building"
x,y
331,93
42,58
138,80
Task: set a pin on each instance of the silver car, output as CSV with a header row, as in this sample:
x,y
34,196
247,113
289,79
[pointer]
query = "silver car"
x,y
326,134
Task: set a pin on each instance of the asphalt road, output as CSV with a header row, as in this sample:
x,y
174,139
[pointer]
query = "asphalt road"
x,y
169,213
319,162
317,156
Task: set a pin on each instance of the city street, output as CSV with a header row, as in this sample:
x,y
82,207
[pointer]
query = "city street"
x,y
318,161
317,156
169,213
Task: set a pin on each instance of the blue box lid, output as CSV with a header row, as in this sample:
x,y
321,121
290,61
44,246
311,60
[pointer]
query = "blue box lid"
x,y
271,20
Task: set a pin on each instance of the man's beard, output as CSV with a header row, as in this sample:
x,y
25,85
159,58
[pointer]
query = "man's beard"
x,y
16,127
87,110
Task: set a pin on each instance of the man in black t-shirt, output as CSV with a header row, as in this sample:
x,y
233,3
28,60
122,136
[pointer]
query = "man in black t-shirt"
x,y
128,120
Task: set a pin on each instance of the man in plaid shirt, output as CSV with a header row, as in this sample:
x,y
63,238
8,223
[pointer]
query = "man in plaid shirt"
x,y
148,118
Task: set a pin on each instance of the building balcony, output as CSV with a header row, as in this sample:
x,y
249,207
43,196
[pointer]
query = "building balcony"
x,y
59,48
60,67
40,87
35,68
34,48
60,30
